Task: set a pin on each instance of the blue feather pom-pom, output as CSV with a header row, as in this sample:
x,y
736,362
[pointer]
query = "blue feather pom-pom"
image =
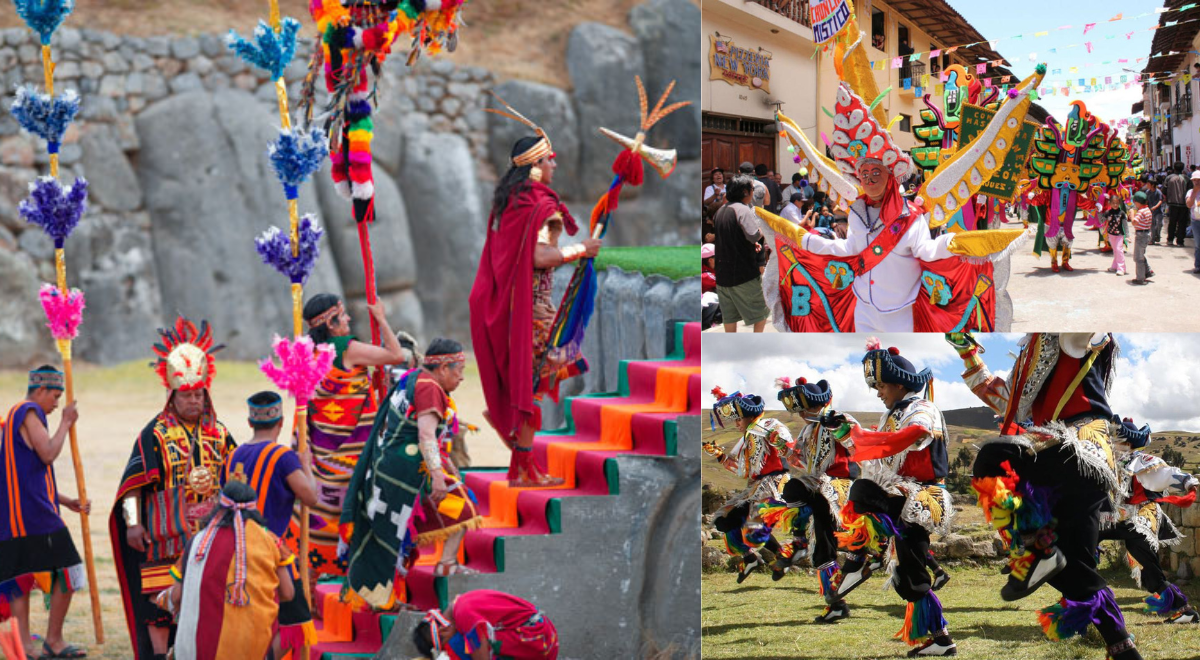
x,y
275,248
55,209
43,115
295,155
44,16
271,50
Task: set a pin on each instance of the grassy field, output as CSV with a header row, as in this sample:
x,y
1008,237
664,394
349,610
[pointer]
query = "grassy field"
x,y
675,262
765,619
115,403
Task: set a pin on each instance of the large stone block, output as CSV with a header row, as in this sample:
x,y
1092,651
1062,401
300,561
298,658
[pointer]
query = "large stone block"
x,y
113,259
112,182
23,335
391,240
669,33
548,107
621,300
403,313
209,190
602,62
445,208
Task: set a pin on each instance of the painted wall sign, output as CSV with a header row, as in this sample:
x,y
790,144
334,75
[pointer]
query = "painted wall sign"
x,y
738,66
828,18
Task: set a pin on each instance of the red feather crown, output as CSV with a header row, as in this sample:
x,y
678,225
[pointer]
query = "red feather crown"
x,y
184,356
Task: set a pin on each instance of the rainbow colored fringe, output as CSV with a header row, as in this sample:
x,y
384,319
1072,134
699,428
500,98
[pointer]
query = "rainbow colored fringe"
x,y
830,574
1168,602
782,516
1068,618
738,542
1012,506
866,531
922,619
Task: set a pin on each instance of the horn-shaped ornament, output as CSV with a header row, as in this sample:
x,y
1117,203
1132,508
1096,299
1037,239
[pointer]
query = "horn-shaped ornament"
x,y
662,160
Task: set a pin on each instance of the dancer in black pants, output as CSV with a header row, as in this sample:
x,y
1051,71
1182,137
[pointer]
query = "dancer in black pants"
x,y
1147,481
820,482
899,497
1043,482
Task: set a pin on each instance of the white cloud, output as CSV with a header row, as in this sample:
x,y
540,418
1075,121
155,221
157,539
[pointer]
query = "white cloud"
x,y
1157,376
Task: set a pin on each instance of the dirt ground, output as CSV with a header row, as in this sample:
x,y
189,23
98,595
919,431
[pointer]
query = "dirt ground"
x,y
115,403
513,38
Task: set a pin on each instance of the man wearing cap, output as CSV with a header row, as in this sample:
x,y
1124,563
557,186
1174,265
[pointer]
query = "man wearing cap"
x,y
756,458
1043,482
792,210
1193,205
280,477
821,476
900,494
511,308
1148,482
742,256
170,483
33,536
760,197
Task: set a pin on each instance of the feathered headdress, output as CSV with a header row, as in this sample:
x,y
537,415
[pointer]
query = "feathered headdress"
x,y
858,139
184,356
540,149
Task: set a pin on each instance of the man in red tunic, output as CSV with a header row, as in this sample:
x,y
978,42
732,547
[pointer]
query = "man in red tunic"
x,y
511,310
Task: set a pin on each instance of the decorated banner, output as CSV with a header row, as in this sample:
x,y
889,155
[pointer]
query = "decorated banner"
x,y
1002,184
738,66
828,18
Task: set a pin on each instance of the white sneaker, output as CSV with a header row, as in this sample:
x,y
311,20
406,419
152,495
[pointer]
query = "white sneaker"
x,y
931,647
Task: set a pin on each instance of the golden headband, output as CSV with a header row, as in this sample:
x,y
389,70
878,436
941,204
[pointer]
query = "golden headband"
x,y
324,317
540,149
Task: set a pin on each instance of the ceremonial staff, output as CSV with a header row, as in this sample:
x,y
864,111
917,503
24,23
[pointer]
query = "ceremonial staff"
x,y
57,211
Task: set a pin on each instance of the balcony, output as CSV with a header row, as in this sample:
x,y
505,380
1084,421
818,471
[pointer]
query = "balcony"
x,y
1182,109
794,10
914,71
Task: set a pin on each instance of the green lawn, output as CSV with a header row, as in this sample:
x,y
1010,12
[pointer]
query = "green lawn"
x,y
674,262
765,619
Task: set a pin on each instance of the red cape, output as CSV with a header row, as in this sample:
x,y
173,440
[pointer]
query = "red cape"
x,y
501,305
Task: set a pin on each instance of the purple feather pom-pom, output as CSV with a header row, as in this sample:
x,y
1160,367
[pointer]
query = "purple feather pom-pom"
x,y
275,248
1012,93
55,209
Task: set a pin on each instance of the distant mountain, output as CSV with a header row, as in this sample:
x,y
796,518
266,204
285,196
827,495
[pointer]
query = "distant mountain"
x,y
972,418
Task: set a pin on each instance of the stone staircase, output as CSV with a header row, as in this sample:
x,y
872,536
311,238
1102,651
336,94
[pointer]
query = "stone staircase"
x,y
610,556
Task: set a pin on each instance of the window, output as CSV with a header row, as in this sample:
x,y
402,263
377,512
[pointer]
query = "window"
x,y
878,31
906,123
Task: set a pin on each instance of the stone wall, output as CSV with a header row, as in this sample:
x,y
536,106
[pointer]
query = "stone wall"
x,y
172,136
1184,559
631,320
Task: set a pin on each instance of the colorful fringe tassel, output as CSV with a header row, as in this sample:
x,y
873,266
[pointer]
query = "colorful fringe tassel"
x,y
1068,618
867,531
829,574
922,619
1012,506
1168,602
782,516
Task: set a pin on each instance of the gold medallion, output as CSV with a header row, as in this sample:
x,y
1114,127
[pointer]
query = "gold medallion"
x,y
201,481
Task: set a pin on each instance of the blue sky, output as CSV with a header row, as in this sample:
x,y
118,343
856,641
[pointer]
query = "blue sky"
x,y
1001,20
1158,375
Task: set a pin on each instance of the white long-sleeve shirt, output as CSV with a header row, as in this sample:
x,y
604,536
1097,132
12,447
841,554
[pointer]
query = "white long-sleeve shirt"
x,y
896,280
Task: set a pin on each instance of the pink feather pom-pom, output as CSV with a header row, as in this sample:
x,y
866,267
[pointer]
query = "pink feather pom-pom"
x,y
783,382
300,367
796,159
64,313
873,344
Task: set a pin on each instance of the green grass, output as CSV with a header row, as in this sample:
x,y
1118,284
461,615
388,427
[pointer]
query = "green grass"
x,y
765,619
674,262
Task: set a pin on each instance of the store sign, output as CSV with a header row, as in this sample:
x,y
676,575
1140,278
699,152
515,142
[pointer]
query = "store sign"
x,y
828,18
738,66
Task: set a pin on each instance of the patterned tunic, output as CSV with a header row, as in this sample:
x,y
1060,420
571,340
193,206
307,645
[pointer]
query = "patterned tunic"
x,y
916,473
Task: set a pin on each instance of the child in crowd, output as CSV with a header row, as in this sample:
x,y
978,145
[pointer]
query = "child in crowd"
x,y
1114,218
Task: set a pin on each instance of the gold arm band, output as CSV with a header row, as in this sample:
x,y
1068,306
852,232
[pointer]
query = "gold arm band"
x,y
129,510
573,252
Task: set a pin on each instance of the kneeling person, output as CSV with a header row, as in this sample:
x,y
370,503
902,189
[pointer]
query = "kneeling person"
x,y
486,624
